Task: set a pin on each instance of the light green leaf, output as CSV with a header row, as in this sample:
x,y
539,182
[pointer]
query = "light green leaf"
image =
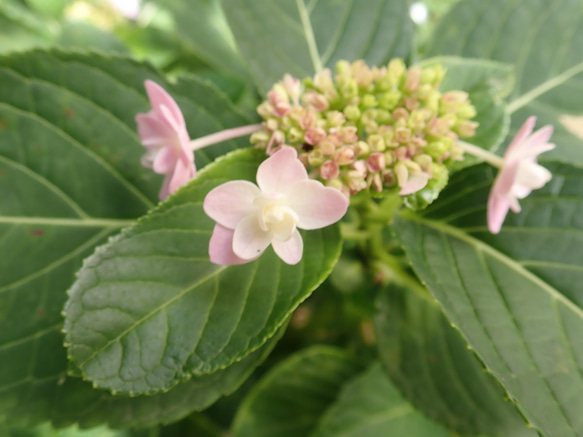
x,y
70,177
516,296
149,309
290,399
370,406
431,365
487,84
542,40
22,29
301,37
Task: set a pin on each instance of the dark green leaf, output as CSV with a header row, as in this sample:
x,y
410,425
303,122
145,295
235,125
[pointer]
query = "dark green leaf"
x,y
433,368
291,398
542,40
370,406
516,296
150,309
301,37
71,177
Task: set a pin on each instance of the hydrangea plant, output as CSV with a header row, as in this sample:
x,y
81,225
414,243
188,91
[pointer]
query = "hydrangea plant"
x,y
291,218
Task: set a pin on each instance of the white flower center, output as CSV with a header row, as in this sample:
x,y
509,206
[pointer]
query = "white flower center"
x,y
531,176
275,217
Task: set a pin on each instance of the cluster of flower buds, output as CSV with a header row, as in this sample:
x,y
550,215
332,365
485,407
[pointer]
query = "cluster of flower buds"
x,y
369,128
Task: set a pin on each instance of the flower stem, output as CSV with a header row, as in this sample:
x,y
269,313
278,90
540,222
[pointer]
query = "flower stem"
x,y
484,155
224,135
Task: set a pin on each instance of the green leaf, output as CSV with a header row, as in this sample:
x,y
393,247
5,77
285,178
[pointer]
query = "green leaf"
x,y
487,84
77,402
290,399
542,40
431,365
149,309
71,177
21,29
202,27
301,37
516,296
370,406
82,35
47,431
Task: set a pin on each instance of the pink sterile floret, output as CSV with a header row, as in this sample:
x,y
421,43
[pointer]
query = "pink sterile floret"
x,y
163,133
251,217
520,173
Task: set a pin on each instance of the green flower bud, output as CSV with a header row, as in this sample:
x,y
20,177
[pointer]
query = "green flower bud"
x,y
368,101
352,112
390,99
376,143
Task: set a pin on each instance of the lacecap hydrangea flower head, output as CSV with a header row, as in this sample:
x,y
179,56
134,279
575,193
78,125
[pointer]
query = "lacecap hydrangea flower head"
x,y
364,128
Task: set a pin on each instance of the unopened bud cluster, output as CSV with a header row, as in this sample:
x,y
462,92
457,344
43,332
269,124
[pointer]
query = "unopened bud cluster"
x,y
368,127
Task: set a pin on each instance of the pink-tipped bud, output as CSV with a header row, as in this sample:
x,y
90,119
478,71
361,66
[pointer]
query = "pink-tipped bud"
x,y
335,119
315,100
292,86
314,136
376,162
413,79
344,156
402,153
348,134
329,170
323,80
400,113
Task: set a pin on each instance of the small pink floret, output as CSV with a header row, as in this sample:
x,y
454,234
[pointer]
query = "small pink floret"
x,y
251,217
163,133
520,173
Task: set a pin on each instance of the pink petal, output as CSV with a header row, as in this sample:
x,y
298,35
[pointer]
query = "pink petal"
x,y
523,133
500,195
249,240
221,247
280,170
152,131
229,203
316,206
165,190
497,209
290,251
165,160
536,144
158,98
183,172
415,182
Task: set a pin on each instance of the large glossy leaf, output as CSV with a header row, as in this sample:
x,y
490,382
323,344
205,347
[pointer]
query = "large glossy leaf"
x,y
150,309
291,398
77,402
301,37
431,365
487,84
516,296
542,40
202,26
370,406
70,177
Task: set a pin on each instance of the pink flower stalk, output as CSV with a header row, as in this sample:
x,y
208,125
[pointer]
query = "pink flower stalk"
x,y
251,217
163,133
520,173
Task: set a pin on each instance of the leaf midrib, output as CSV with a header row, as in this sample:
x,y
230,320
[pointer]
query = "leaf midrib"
x,y
501,257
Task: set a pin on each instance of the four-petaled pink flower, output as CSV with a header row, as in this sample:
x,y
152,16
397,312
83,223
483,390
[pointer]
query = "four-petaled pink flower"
x,y
163,133
250,217
520,173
